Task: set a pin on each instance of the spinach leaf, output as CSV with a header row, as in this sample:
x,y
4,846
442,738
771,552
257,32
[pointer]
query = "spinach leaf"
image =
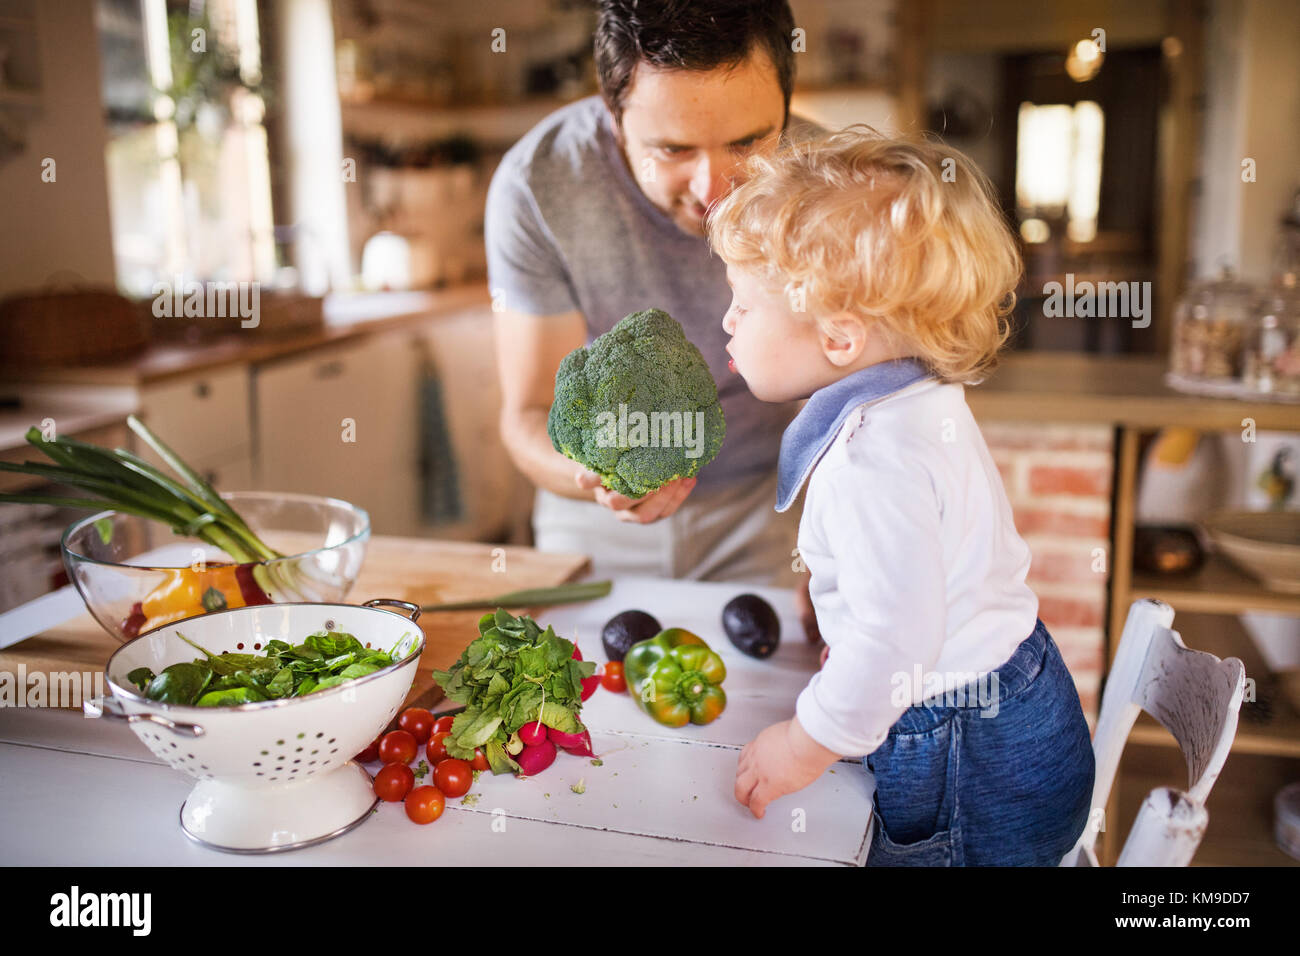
x,y
281,685
323,660
225,664
180,683
359,669
231,698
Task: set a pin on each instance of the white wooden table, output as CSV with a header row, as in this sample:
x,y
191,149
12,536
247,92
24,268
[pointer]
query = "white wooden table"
x,y
87,792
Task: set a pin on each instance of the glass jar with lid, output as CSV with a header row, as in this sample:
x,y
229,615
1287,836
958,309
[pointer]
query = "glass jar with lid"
x,y
1272,355
1211,322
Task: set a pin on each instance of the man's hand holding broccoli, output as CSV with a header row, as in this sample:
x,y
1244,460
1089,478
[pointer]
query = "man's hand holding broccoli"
x,y
651,507
638,409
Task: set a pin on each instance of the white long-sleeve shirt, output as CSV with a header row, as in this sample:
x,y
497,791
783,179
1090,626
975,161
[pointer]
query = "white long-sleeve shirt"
x,y
917,568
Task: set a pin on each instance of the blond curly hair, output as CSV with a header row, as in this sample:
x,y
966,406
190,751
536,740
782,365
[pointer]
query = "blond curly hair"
x,y
905,234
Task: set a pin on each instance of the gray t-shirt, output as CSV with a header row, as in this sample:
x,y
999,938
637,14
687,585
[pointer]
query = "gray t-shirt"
x,y
568,228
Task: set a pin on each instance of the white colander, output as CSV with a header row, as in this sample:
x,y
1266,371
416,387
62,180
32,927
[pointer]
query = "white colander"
x,y
278,774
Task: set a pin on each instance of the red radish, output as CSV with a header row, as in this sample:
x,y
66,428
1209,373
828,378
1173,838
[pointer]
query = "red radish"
x,y
533,760
249,589
577,744
533,733
589,684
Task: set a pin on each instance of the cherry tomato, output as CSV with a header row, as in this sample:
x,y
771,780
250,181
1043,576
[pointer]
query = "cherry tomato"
x,y
613,678
480,761
370,754
394,782
443,724
453,777
417,722
398,746
436,748
425,804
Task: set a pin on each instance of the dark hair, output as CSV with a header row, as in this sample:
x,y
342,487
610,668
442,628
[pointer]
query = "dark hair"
x,y
688,35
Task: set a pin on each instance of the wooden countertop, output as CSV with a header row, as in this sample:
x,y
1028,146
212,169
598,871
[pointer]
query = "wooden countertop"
x,y
164,359
1067,387
1046,387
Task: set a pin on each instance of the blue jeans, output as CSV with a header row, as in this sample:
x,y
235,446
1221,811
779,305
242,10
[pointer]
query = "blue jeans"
x,y
955,788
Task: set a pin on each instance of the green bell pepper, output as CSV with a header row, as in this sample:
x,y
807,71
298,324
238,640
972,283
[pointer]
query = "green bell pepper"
x,y
676,678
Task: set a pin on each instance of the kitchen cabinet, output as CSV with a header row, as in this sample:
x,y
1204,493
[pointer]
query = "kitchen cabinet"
x,y
343,421
30,534
205,418
496,499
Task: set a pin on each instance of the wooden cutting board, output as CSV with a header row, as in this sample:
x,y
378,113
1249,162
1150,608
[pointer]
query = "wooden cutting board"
x,y
420,570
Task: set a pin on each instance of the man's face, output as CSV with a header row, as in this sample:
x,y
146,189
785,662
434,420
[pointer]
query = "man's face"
x,y
685,134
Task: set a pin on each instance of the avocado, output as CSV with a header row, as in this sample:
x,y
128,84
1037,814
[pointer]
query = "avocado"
x,y
752,625
625,629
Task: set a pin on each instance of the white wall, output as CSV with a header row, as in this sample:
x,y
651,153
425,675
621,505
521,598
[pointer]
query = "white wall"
x,y
313,141
61,226
1252,111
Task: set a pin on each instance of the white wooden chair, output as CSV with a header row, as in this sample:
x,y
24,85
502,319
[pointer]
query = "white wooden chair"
x,y
1196,697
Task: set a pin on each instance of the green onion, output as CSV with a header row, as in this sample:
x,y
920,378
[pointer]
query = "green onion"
x,y
535,597
124,482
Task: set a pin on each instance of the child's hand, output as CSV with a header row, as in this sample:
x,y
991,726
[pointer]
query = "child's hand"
x,y
780,760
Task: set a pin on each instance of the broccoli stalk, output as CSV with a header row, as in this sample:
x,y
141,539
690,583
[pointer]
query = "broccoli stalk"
x,y
638,406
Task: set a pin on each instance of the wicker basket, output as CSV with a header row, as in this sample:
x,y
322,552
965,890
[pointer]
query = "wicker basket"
x,y
72,328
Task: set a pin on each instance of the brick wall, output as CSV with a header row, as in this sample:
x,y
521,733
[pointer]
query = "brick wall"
x,y
1058,479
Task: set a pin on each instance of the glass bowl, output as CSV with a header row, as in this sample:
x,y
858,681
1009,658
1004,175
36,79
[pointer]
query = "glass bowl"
x,y
136,575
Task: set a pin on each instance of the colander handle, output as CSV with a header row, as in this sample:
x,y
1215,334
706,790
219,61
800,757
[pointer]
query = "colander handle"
x,y
412,610
111,707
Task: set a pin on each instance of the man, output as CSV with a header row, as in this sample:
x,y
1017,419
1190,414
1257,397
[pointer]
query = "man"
x,y
598,212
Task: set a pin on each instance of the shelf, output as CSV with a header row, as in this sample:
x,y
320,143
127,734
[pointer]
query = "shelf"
x,y
1268,726
1277,738
1217,588
1240,807
1125,390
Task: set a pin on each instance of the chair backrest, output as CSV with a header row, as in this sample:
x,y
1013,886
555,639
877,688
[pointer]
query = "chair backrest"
x,y
1194,695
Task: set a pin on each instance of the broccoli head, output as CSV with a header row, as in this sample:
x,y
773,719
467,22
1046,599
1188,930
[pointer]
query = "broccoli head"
x,y
638,406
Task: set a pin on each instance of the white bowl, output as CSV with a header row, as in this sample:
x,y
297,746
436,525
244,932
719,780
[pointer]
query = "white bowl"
x,y
1265,544
277,774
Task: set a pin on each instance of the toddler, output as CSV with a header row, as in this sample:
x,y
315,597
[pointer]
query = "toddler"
x,y
873,277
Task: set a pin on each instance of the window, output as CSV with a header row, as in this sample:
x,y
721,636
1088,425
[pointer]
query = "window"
x,y
189,178
1058,169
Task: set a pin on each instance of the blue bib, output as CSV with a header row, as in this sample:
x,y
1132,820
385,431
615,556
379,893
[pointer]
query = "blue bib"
x,y
810,434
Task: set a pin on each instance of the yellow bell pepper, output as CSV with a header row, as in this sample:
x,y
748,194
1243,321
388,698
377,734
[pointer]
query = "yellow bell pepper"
x,y
187,592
